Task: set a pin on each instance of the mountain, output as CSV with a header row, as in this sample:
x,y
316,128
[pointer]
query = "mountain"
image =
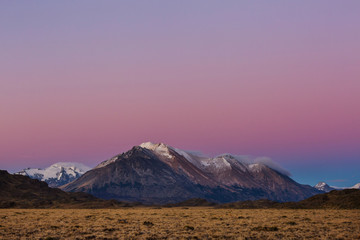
x,y
57,174
322,186
160,174
337,199
18,191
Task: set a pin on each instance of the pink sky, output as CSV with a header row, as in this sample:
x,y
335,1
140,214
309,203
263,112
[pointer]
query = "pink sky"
x,y
82,82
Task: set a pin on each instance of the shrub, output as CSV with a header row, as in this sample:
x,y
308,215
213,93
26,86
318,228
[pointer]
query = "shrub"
x,y
148,223
189,228
266,229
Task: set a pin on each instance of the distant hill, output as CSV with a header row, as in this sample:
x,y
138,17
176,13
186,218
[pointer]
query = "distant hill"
x,y
18,191
57,174
336,199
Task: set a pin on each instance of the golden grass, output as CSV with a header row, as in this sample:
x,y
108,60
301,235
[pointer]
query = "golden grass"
x,y
178,223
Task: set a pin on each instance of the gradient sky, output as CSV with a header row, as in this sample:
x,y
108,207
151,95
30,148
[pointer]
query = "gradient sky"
x,y
85,80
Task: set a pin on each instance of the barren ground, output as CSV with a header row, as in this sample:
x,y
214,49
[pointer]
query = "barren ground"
x,y
178,223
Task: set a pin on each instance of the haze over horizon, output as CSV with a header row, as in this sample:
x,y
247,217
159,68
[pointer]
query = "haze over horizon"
x,y
83,81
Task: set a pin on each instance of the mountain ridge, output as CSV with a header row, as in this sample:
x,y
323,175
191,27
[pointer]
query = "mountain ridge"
x,y
57,174
160,174
323,186
18,191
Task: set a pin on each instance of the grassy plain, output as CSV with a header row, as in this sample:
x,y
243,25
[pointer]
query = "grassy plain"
x,y
178,223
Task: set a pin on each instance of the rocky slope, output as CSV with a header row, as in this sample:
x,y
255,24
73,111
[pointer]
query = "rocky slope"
x,y
18,191
160,174
57,174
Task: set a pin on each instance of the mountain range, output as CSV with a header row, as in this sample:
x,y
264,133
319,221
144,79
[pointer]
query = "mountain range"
x,y
323,186
57,174
160,174
17,191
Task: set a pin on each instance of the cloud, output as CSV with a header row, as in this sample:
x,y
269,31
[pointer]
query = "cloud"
x,y
263,160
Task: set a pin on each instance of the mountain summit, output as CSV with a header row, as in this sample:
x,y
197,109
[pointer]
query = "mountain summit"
x,y
158,173
57,174
323,186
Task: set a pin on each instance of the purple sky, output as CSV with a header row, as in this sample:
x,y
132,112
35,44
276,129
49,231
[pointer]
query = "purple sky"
x,y
85,80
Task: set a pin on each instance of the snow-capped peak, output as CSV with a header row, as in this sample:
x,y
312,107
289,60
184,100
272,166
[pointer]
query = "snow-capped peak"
x,y
71,169
222,161
57,174
217,163
322,186
159,148
153,146
356,186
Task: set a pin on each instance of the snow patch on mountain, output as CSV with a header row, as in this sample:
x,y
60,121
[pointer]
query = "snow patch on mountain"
x,y
107,162
256,167
321,185
218,162
250,160
159,148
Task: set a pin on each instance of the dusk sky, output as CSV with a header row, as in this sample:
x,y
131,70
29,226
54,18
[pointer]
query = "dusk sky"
x,y
83,81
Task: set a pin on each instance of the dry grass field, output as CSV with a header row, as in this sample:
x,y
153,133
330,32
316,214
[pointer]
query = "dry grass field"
x,y
178,223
